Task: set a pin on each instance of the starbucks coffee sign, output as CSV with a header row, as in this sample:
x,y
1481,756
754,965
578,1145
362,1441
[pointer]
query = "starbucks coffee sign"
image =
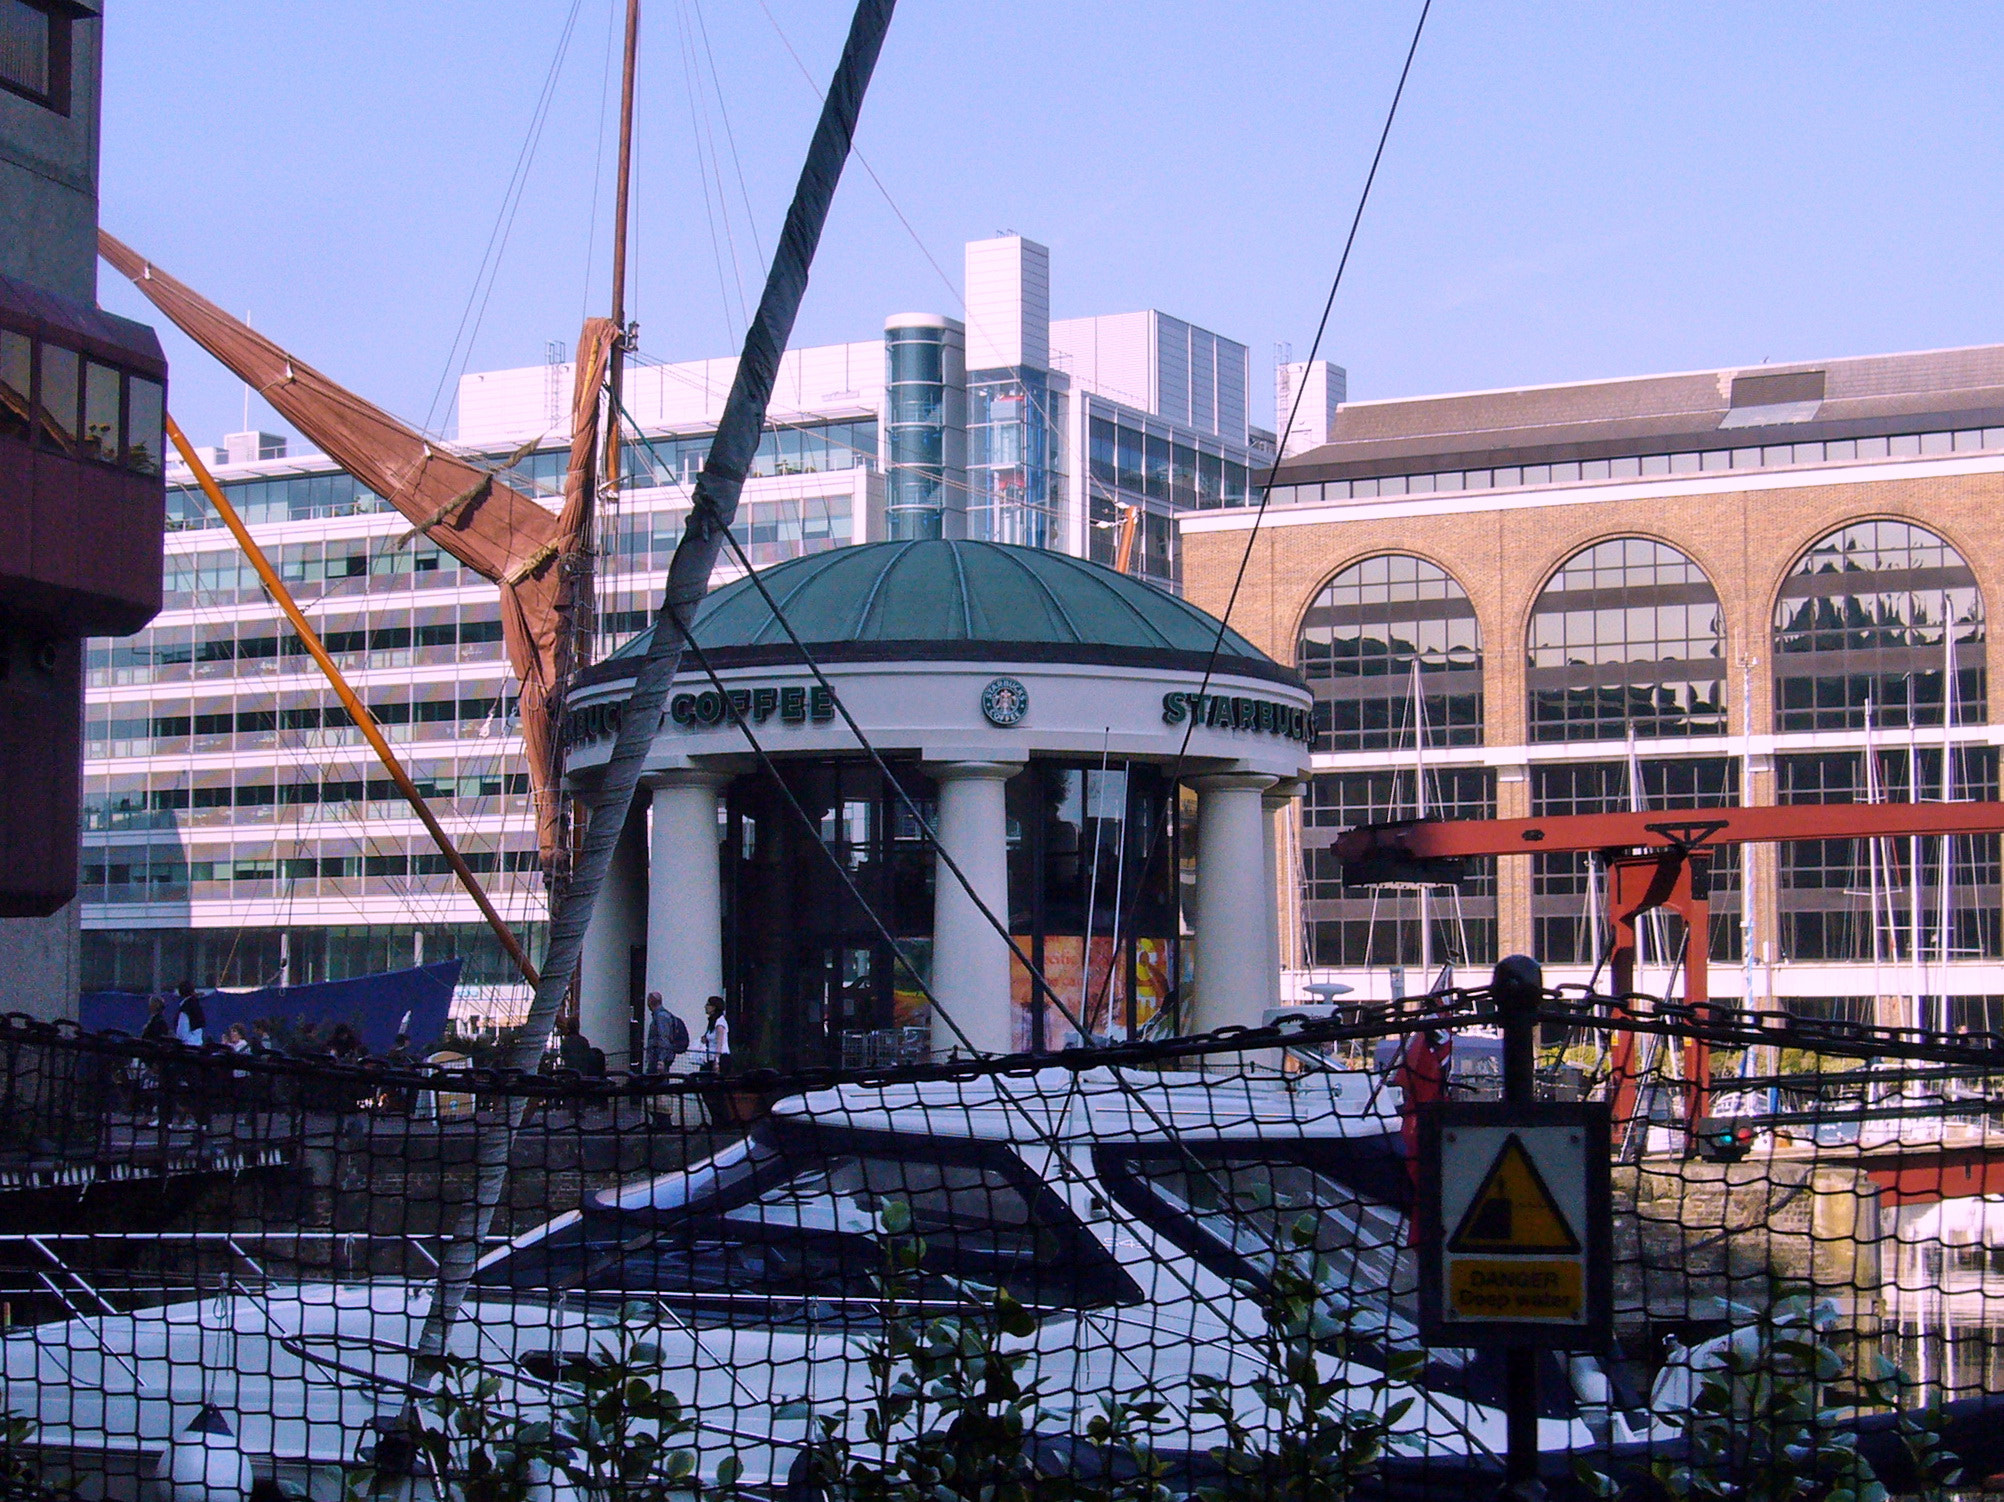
x,y
1239,712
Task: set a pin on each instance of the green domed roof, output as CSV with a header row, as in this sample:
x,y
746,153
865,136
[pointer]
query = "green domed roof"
x,y
952,599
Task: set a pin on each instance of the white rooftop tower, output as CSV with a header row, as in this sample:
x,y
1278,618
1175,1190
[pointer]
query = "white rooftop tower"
x,y
1321,388
1008,304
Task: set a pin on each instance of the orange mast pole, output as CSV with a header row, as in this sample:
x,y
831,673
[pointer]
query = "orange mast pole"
x,y
366,722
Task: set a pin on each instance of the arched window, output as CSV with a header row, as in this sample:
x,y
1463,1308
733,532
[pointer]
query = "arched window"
x,y
1866,625
1628,636
1359,643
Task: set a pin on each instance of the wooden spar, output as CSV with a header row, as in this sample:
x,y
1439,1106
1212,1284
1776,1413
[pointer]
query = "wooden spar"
x,y
616,365
371,731
1130,518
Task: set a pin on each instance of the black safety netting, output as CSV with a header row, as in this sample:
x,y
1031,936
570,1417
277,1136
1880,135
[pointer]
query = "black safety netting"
x,y
1144,1271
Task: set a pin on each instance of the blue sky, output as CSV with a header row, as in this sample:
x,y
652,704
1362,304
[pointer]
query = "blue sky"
x,y
1570,192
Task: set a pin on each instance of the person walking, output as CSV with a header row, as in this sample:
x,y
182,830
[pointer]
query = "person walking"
x,y
191,1022
713,1059
148,1080
667,1036
714,1053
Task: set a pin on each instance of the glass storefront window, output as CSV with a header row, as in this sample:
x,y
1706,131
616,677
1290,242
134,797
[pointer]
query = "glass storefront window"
x,y
1129,463
16,374
1877,624
1100,440
1091,852
1210,480
1182,476
1235,483
1627,638
145,425
807,969
103,431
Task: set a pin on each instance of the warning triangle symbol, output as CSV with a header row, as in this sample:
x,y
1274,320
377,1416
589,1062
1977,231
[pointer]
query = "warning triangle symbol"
x,y
1513,1211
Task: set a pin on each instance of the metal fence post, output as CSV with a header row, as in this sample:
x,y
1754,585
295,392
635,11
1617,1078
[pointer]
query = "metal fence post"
x,y
1518,986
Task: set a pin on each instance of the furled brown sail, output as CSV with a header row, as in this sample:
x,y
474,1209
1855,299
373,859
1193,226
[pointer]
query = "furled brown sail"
x,y
490,527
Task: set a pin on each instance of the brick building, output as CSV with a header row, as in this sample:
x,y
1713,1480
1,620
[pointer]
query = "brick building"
x,y
1762,585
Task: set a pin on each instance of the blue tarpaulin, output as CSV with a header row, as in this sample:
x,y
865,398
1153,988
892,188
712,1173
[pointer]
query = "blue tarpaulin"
x,y
372,1005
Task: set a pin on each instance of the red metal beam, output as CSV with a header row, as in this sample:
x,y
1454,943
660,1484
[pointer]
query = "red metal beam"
x,y
1669,830
1947,1173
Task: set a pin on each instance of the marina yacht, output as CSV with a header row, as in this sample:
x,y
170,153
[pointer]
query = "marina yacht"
x,y
1133,1215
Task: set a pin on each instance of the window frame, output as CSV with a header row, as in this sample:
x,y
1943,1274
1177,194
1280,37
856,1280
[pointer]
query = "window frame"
x,y
780,1151
1374,1168
62,20
1573,700
1451,683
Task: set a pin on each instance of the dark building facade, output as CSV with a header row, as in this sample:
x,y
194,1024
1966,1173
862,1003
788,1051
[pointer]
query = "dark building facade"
x,y
82,404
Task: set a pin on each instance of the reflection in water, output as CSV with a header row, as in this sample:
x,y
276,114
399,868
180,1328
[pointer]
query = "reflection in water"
x,y
1943,1271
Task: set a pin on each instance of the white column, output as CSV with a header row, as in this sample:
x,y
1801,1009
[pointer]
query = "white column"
x,y
618,921
1236,979
685,917
1274,805
970,958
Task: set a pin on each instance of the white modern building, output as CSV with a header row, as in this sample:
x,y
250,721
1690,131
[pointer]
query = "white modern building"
x,y
236,829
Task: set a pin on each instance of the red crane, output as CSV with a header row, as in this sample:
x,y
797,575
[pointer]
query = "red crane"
x,y
1653,861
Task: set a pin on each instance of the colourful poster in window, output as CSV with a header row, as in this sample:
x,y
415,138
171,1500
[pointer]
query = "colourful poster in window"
x,y
1093,998
1151,982
909,1007
1022,998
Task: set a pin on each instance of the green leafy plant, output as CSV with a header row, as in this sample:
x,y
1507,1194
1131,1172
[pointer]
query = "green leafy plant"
x,y
1124,1432
468,1447
616,1437
1919,1428
949,1414
20,1476
1319,1432
621,1432
1769,1420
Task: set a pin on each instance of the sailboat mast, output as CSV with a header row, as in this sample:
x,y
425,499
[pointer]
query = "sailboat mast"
x,y
616,364
1418,721
1945,889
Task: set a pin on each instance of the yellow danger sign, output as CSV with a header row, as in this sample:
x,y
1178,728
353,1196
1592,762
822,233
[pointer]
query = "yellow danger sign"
x,y
1514,1214
1516,1289
1512,1224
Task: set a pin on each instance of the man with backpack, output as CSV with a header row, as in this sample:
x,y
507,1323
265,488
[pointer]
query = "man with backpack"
x,y
667,1036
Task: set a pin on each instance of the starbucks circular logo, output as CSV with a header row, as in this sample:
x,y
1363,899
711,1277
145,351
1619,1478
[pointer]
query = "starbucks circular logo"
x,y
1004,702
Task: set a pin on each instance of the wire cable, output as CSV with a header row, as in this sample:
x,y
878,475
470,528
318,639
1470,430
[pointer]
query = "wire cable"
x,y
1321,330
489,268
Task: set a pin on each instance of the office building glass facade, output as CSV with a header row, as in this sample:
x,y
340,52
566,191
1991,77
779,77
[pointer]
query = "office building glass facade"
x,y
1880,623
1627,639
1371,926
1015,462
1362,639
916,419
1568,890
1883,900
